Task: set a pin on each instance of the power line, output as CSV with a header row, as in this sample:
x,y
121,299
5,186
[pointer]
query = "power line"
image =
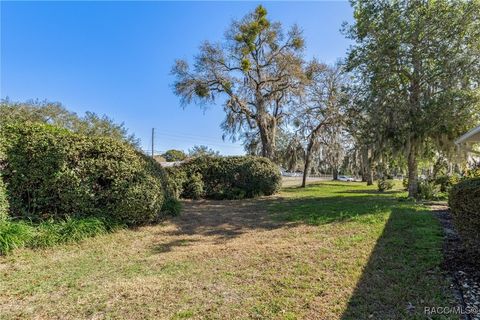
x,y
210,142
201,141
184,135
153,144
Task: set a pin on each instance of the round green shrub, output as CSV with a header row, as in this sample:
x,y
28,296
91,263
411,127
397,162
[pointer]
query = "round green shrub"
x,y
54,173
464,202
226,177
141,201
261,177
193,187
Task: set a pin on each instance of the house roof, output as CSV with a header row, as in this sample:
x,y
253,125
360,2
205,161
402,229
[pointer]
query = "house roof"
x,y
171,164
471,136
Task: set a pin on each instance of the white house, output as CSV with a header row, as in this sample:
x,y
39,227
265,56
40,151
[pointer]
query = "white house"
x,y
469,139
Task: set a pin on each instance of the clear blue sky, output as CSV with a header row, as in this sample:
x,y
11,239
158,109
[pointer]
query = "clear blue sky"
x,y
114,58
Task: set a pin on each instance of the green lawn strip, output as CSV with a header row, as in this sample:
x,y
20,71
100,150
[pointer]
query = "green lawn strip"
x,y
403,273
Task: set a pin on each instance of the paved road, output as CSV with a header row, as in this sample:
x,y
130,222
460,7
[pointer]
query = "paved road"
x,y
297,181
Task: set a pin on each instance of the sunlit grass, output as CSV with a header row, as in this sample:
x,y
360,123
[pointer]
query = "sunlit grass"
x,y
330,251
328,202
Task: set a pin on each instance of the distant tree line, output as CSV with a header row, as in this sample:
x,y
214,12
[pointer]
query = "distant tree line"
x,y
173,155
54,113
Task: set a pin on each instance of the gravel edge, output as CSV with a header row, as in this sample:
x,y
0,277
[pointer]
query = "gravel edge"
x,y
464,276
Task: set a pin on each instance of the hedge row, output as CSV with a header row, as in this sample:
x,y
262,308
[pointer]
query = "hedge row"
x,y
464,201
53,173
3,201
225,177
3,191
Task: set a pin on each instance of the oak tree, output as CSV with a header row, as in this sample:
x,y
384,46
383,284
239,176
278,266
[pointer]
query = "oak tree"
x,y
256,71
420,60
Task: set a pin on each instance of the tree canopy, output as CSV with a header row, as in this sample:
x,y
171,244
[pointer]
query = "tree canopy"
x,y
419,65
319,116
256,70
201,150
174,155
55,113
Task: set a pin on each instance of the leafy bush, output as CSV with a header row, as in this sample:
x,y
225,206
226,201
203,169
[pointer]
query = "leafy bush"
x,y
3,191
384,185
193,187
445,182
226,177
54,173
18,234
428,190
464,201
453,180
473,172
3,201
176,177
172,207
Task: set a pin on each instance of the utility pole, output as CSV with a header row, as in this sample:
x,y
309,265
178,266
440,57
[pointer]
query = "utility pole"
x,y
153,135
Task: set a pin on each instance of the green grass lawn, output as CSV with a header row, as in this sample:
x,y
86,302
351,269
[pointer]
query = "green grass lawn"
x,y
330,251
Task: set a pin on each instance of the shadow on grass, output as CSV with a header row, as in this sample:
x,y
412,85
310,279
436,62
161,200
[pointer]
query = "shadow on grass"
x,y
223,219
371,192
329,183
166,247
402,276
228,219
